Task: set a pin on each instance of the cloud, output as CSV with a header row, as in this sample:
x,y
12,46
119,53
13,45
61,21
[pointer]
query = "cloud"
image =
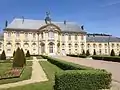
x,y
111,3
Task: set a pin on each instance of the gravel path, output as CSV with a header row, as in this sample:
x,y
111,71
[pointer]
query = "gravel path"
x,y
112,67
38,75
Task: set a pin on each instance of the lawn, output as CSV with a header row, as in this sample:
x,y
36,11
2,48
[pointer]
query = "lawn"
x,y
25,75
50,70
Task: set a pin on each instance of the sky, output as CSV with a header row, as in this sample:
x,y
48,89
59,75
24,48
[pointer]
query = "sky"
x,y
97,16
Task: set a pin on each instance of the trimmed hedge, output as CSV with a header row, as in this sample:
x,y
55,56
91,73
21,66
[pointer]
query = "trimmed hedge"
x,y
107,58
81,56
82,80
77,77
66,65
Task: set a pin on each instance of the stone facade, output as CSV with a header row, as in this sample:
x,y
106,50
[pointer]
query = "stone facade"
x,y
54,38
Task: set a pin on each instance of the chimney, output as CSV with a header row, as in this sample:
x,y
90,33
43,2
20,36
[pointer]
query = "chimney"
x,y
6,23
65,22
22,19
82,27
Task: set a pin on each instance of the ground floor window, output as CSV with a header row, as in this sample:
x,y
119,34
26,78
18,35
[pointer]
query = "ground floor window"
x,y
51,48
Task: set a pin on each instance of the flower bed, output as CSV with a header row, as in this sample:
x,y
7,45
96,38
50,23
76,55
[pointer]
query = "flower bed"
x,y
12,73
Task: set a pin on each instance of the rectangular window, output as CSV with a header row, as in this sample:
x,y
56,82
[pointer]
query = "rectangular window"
x,y
75,37
63,37
51,34
105,50
82,37
69,37
33,35
9,34
17,34
26,35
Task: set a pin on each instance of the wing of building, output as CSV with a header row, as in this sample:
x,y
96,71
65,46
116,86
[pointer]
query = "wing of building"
x,y
53,38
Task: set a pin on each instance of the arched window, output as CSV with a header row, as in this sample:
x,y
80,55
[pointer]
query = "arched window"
x,y
118,45
51,47
26,45
63,45
94,45
17,44
9,45
88,45
100,45
113,45
82,45
105,45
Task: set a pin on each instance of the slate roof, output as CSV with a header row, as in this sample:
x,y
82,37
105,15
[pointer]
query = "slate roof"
x,y
102,39
18,23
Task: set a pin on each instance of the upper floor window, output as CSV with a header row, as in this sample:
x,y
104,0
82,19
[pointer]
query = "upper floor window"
x,y
42,35
94,45
75,37
88,45
69,37
26,35
63,45
33,35
51,34
62,36
82,37
100,45
9,34
113,45
105,45
17,34
118,45
70,45
76,45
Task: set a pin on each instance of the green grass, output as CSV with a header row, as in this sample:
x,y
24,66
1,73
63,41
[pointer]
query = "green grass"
x,y
50,70
29,58
27,72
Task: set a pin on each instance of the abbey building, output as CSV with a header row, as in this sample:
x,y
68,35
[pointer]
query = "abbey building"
x,y
54,38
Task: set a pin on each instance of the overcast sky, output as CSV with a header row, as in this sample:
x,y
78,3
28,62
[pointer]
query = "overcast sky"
x,y
98,16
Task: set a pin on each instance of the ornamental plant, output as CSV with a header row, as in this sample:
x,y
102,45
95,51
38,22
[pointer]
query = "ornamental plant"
x,y
3,56
112,53
28,53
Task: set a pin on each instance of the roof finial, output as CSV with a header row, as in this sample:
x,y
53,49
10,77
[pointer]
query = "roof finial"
x,y
47,19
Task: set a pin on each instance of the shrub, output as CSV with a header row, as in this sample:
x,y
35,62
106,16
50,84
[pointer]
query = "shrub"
x,y
66,65
3,56
77,77
83,52
13,53
82,80
72,55
87,53
94,53
18,60
28,53
112,53
23,55
107,58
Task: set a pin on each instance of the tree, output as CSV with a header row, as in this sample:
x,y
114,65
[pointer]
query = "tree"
x,y
13,53
112,53
28,54
119,53
23,55
83,52
18,60
3,56
94,53
87,53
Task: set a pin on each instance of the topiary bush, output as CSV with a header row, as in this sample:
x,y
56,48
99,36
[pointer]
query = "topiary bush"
x,y
94,52
82,80
3,56
87,53
28,54
23,55
13,53
83,52
112,53
18,60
